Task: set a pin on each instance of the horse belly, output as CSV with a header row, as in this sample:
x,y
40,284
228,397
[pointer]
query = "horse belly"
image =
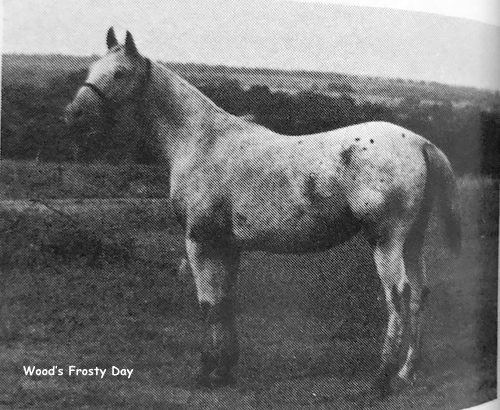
x,y
305,232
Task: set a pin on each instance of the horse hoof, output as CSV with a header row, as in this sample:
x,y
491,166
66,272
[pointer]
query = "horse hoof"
x,y
385,390
382,387
215,380
401,382
223,380
202,381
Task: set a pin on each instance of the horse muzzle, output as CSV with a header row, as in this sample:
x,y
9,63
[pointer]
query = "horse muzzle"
x,y
78,116
73,115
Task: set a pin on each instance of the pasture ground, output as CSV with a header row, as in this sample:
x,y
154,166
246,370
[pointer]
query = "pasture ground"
x,y
102,289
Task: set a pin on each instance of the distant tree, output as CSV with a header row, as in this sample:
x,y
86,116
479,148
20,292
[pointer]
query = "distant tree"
x,y
490,143
228,95
259,98
409,103
374,112
340,87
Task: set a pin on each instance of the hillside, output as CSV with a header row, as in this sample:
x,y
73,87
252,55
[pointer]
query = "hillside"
x,y
462,121
39,70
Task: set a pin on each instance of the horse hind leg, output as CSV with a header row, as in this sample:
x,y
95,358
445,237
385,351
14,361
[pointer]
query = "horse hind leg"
x,y
215,272
388,255
415,264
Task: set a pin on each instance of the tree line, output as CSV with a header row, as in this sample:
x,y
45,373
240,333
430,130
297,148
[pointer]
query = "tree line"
x,y
33,126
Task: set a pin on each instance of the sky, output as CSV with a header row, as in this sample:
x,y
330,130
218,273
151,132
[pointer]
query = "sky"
x,y
462,49
486,11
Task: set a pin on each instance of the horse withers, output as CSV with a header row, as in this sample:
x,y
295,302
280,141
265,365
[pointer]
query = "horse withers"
x,y
237,186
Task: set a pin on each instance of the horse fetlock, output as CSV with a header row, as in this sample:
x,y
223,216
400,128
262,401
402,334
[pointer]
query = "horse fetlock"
x,y
407,374
382,382
216,368
220,353
208,362
221,312
399,382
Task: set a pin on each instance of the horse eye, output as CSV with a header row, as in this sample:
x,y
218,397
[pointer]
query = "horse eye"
x,y
119,75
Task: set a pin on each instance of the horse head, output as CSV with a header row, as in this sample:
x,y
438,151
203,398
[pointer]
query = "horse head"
x,y
116,81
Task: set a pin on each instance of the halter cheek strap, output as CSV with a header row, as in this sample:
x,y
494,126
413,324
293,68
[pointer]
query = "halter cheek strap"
x,y
96,89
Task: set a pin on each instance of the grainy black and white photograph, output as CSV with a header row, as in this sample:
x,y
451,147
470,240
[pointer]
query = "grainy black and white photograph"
x,y
249,204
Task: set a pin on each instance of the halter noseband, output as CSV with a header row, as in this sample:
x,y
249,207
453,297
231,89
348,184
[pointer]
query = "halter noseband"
x,y
108,101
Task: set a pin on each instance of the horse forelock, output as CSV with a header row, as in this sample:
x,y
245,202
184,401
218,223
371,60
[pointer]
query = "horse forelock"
x,y
115,49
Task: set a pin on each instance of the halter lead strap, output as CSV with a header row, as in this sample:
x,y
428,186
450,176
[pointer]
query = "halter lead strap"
x,y
144,84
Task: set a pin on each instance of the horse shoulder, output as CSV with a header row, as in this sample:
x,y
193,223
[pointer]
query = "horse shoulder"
x,y
199,200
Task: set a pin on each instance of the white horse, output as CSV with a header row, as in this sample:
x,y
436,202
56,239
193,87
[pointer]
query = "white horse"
x,y
237,186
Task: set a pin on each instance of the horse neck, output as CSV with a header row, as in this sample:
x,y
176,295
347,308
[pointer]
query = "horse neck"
x,y
179,115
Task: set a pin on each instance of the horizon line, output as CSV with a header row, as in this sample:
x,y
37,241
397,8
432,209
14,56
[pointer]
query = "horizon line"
x,y
270,68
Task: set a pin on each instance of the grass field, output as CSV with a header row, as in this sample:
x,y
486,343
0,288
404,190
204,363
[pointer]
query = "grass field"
x,y
94,282
29,179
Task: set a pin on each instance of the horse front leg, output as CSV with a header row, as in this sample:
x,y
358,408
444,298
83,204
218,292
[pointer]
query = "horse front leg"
x,y
215,272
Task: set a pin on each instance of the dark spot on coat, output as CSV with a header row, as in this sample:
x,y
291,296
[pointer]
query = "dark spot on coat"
x,y
356,139
407,293
310,186
424,297
300,142
401,299
395,201
396,299
204,310
371,141
299,212
364,148
403,135
179,211
210,223
346,155
371,241
240,219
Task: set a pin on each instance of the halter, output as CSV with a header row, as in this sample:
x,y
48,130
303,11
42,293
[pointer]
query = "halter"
x,y
109,102
110,105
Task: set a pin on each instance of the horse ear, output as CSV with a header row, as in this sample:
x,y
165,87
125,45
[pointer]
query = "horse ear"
x,y
130,47
111,40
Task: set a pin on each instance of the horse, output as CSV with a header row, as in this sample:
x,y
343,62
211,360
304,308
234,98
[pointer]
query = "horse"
x,y
237,186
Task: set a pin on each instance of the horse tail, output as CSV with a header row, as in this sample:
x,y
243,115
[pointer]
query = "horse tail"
x,y
442,183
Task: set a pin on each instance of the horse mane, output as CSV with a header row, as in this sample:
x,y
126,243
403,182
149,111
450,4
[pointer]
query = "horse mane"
x,y
208,111
191,89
